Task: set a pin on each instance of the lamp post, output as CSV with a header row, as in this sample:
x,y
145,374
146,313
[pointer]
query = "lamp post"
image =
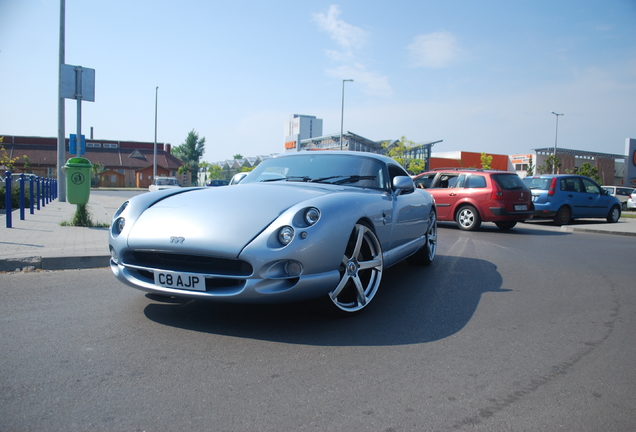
x,y
154,154
342,111
556,134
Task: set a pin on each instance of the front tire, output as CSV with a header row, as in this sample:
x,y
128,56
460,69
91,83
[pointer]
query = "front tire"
x,y
614,214
467,218
360,273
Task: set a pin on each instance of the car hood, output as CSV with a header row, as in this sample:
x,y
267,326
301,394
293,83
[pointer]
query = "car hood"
x,y
222,220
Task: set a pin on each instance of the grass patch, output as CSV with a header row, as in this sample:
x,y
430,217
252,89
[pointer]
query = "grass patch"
x,y
83,218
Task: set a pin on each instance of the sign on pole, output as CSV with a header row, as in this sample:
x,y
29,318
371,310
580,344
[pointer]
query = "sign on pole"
x,y
72,144
86,91
78,83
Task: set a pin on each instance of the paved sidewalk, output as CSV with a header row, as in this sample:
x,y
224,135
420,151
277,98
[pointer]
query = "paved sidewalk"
x,y
40,241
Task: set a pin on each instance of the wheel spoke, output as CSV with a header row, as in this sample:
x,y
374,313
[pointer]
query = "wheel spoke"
x,y
362,298
343,282
359,241
371,264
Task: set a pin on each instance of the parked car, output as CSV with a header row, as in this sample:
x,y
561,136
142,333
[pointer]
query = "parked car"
x,y
472,196
161,183
217,182
563,197
621,192
327,225
631,201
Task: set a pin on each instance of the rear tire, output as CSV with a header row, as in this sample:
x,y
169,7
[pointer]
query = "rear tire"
x,y
467,218
506,225
563,216
426,254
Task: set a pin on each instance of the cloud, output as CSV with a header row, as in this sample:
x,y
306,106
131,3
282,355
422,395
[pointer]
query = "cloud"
x,y
347,65
345,34
372,83
433,50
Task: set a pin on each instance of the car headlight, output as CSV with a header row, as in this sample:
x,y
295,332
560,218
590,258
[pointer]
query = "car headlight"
x,y
118,225
285,235
312,215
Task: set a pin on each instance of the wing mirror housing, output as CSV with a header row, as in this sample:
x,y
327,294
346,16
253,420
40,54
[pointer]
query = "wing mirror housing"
x,y
402,184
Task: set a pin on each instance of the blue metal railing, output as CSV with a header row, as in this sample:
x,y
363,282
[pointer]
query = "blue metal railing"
x,y
42,191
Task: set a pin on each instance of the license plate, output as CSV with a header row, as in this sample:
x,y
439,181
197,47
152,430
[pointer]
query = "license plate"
x,y
521,207
184,281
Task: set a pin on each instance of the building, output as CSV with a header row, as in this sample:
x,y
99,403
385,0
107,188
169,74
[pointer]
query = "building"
x,y
463,159
611,167
124,163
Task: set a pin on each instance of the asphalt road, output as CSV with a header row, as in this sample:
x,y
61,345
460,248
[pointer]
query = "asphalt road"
x,y
531,330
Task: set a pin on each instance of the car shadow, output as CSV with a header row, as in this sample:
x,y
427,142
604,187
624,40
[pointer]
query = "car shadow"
x,y
522,228
414,305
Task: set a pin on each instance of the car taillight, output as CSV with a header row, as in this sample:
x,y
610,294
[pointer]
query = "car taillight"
x,y
497,194
552,187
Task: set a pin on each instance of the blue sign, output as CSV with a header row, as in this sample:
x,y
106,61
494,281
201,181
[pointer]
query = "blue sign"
x,y
73,142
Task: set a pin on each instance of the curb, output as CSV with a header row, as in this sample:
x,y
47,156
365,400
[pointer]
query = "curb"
x,y
598,231
55,263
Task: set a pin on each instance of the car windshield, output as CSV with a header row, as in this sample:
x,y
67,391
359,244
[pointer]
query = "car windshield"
x,y
351,170
541,183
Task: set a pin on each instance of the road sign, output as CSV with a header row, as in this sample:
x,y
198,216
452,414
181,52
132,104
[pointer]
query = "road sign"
x,y
78,83
72,144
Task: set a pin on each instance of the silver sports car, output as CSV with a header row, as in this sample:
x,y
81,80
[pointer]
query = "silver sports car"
x,y
300,226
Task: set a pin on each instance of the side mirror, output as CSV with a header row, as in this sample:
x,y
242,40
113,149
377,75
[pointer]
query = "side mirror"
x,y
403,183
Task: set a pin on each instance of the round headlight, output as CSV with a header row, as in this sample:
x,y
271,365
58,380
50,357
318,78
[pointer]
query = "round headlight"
x,y
118,225
312,215
286,235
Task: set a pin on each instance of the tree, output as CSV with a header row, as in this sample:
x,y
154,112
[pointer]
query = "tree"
x,y
6,161
190,152
399,152
530,170
216,172
486,161
586,170
550,163
238,156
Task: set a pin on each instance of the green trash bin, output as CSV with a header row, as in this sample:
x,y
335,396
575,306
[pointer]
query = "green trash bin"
x,y
78,180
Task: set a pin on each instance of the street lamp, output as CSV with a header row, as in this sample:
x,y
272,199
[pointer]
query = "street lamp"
x,y
154,154
342,111
556,134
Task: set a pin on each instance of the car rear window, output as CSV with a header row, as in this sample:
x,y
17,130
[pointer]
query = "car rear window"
x,y
541,183
509,181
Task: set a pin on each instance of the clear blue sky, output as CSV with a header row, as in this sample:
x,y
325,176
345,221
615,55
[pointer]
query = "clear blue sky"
x,y
480,75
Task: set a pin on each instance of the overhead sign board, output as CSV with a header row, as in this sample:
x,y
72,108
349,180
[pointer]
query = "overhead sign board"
x,y
77,83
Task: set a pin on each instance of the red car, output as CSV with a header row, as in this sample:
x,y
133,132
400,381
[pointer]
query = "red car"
x,y
472,196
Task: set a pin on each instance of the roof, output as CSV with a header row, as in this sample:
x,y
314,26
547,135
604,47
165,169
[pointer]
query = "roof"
x,y
581,153
112,158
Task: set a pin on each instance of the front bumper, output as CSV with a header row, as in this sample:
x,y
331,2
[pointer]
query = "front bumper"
x,y
219,287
